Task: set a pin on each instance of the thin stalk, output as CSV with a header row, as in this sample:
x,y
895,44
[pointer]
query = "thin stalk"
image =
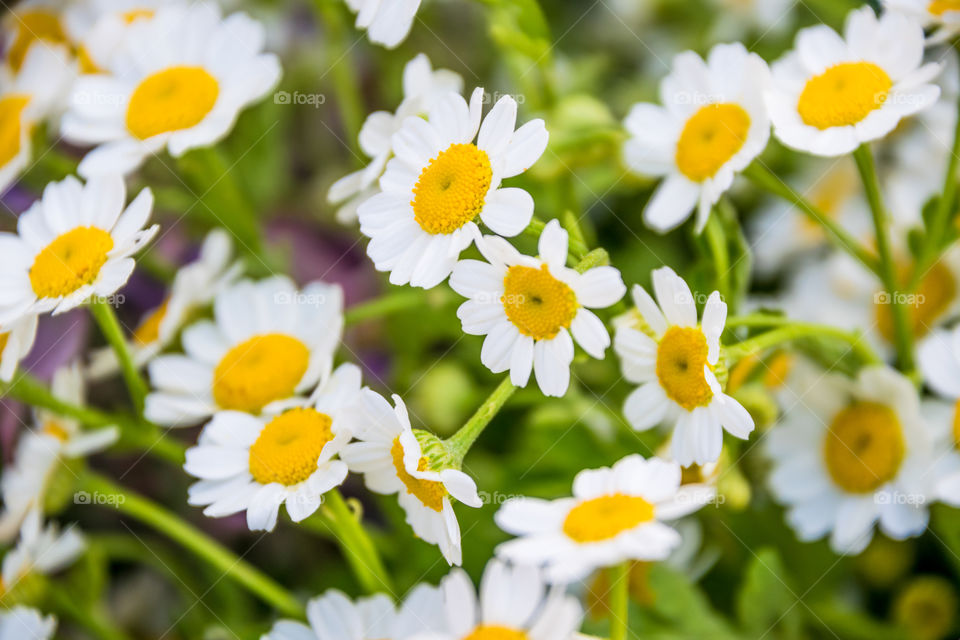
x,y
459,443
717,239
793,331
110,327
620,601
342,71
397,302
359,550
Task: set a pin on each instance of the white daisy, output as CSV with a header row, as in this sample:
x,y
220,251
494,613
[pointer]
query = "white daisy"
x,y
256,464
939,359
39,550
16,341
23,623
440,182
614,515
177,81
267,342
713,124
194,286
333,616
513,603
943,15
33,24
528,307
387,23
391,460
849,453
831,94
75,243
422,87
672,358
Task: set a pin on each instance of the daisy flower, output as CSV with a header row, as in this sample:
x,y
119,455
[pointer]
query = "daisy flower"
x,y
672,358
34,22
615,515
390,457
942,15
939,358
831,94
16,341
528,307
387,23
177,81
73,244
39,551
514,602
256,464
267,342
441,181
713,125
422,86
333,616
23,623
194,286
850,453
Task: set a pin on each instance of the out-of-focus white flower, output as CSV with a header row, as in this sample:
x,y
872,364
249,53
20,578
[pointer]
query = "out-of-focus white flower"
x,y
943,15
41,550
387,23
23,623
16,341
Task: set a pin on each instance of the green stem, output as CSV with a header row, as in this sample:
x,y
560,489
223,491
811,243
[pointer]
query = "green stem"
x,y
165,522
620,601
577,247
717,240
788,331
903,335
459,443
397,302
342,70
359,550
110,327
765,179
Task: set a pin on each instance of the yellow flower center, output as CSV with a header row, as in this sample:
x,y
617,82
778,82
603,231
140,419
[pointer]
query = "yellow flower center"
x,y
934,295
133,15
956,425
606,517
71,261
536,303
32,27
57,430
259,371
864,447
710,138
843,95
428,492
940,7
451,189
4,337
495,632
681,356
289,447
171,100
11,110
148,331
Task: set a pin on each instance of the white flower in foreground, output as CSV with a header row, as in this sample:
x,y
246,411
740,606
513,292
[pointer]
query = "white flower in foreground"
x,y
440,182
252,463
832,94
177,81
16,341
849,453
672,358
387,23
943,15
528,307
615,515
73,244
40,550
514,604
23,623
333,616
422,87
194,286
714,123
267,342
389,456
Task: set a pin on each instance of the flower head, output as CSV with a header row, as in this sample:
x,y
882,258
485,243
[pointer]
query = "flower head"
x,y
387,23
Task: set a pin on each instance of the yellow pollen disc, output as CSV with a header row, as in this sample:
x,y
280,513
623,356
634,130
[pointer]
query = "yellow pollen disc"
x,y
681,356
56,430
864,447
956,425
148,331
451,189
136,14
171,100
495,632
32,27
606,517
843,95
940,7
536,303
289,446
11,125
934,296
428,492
259,371
711,136
71,261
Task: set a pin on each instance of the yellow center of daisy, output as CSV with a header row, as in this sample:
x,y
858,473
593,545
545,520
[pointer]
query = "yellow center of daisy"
x,y
55,429
495,632
4,337
956,425
259,371
148,331
843,95
11,110
288,448
934,295
864,447
606,517
710,138
171,100
72,260
451,189
133,15
940,7
536,303
32,27
681,356
428,492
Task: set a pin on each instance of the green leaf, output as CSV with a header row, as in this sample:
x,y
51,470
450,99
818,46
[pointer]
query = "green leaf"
x,y
766,601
